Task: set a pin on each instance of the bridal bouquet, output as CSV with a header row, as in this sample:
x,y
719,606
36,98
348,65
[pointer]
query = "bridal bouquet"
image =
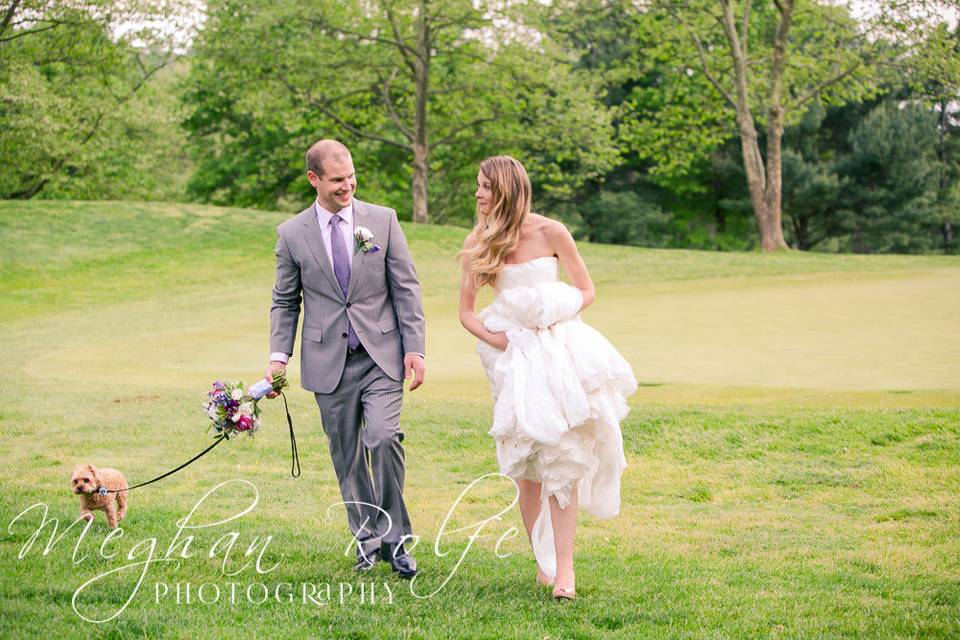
x,y
234,410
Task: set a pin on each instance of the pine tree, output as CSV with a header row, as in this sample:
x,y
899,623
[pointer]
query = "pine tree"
x,y
892,180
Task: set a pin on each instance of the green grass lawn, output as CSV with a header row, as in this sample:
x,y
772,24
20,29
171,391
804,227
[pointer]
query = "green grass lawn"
x,y
793,449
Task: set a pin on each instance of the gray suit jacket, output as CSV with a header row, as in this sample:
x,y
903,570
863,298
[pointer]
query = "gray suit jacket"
x,y
382,303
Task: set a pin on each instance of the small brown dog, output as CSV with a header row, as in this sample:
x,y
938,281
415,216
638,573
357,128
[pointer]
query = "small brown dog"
x,y
90,483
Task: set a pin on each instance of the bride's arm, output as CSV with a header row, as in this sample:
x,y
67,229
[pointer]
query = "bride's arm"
x,y
573,265
469,319
468,316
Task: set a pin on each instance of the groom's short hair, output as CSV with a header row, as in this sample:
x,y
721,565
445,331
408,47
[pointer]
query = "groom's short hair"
x,y
323,149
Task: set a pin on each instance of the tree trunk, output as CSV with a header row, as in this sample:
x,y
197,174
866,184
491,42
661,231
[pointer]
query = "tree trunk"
x,y
420,158
944,184
421,147
719,216
764,185
801,232
773,239
769,220
771,235
765,194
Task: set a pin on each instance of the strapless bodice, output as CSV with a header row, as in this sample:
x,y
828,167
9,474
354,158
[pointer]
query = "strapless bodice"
x,y
530,273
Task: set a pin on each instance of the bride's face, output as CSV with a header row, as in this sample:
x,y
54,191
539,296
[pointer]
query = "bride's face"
x,y
484,194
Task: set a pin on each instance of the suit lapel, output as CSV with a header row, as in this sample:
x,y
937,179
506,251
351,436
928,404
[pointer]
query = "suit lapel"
x,y
312,235
360,219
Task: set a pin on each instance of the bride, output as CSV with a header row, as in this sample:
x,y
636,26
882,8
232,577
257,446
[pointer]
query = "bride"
x,y
559,387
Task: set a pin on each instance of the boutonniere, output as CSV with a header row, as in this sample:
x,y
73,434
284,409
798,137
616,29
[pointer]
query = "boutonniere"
x,y
363,238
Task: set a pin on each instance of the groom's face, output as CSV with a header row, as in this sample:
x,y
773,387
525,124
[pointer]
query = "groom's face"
x,y
335,188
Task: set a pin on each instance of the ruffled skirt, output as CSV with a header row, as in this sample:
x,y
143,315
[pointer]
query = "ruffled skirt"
x,y
560,393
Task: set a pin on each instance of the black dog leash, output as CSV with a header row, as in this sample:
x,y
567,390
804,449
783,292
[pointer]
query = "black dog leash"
x,y
294,464
294,457
104,491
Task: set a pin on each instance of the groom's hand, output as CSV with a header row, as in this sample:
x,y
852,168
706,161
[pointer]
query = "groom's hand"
x,y
413,364
272,368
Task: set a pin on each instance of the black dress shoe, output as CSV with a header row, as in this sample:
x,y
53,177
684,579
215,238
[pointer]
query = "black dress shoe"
x,y
366,562
400,561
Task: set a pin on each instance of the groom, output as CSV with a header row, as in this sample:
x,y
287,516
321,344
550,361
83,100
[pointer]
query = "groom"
x,y
363,334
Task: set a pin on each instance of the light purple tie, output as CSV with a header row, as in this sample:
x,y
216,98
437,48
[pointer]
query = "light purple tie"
x,y
341,268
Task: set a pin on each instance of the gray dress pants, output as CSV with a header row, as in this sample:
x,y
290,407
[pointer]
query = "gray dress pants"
x,y
361,418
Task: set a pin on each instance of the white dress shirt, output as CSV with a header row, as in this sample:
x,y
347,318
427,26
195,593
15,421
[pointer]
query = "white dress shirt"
x,y
346,230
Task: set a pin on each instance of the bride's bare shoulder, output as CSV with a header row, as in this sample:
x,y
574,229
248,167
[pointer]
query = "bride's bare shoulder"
x,y
542,224
548,227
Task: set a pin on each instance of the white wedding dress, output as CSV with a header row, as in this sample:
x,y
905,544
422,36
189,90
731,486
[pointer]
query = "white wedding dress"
x,y
560,393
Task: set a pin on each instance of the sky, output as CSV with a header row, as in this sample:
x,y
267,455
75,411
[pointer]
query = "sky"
x,y
184,18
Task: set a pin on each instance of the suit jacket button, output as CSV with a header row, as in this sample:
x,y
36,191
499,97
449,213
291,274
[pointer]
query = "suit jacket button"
x,y
348,305
343,335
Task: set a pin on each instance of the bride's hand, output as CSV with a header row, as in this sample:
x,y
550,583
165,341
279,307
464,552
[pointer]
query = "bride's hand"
x,y
499,341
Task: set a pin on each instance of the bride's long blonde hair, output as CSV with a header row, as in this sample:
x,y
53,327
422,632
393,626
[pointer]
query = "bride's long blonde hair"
x,y
497,231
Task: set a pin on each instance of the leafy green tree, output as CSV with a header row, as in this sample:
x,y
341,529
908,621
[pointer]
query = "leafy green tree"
x,y
948,181
625,216
420,88
864,170
81,110
767,61
935,75
674,126
609,40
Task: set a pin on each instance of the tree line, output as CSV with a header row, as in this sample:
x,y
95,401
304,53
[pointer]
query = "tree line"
x,y
715,124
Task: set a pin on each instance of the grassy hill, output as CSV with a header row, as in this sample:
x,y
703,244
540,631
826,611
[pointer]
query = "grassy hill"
x,y
203,275
792,450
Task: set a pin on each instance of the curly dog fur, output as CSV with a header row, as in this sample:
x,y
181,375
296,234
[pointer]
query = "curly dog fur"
x,y
85,481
